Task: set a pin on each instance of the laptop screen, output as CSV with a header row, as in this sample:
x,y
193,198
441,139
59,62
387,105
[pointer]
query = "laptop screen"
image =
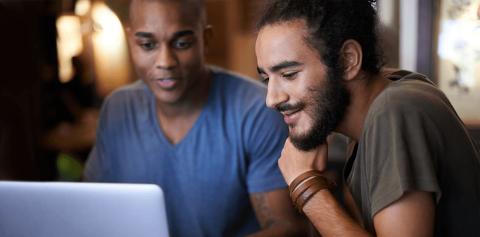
x,y
51,209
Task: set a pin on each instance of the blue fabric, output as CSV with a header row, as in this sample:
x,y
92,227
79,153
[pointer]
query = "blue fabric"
x,y
230,152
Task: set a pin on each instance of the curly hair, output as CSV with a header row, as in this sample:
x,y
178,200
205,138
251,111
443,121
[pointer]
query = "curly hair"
x,y
330,23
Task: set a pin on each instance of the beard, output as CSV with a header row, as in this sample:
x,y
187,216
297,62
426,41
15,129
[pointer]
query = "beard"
x,y
328,106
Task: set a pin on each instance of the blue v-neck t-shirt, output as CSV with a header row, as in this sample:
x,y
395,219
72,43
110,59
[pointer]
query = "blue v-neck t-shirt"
x,y
231,151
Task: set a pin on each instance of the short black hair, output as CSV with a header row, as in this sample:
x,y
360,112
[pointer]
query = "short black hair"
x,y
198,7
331,23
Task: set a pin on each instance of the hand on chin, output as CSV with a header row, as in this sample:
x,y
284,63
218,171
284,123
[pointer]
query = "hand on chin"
x,y
294,162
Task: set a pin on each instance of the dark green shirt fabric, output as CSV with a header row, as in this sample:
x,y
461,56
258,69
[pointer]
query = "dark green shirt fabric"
x,y
413,140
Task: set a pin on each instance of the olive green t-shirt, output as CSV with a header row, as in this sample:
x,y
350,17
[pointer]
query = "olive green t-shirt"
x,y
413,140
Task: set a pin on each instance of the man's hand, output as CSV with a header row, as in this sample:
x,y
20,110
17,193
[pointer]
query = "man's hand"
x,y
294,162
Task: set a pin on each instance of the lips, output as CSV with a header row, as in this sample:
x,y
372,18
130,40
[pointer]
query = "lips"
x,y
291,117
166,83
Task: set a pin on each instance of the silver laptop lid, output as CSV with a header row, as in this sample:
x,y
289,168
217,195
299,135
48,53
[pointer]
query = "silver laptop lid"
x,y
56,209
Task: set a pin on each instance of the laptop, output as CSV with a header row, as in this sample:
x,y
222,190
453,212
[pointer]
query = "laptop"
x,y
57,209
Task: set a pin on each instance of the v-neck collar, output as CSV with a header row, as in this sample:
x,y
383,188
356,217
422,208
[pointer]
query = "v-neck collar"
x,y
155,123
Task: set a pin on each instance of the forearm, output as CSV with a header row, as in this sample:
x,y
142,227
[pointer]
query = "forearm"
x,y
282,229
329,218
276,215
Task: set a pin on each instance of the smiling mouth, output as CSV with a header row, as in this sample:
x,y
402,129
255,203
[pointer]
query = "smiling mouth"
x,y
290,117
291,112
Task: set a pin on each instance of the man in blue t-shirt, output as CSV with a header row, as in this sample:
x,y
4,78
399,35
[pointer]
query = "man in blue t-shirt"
x,y
204,135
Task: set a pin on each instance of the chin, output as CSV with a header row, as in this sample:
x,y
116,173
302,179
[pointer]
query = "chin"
x,y
167,98
306,143
297,130
307,139
295,134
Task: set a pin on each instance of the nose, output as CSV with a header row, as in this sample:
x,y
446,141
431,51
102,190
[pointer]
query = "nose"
x,y
166,59
275,94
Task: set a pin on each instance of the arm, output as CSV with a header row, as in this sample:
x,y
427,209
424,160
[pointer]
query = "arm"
x,y
276,214
97,163
265,134
411,215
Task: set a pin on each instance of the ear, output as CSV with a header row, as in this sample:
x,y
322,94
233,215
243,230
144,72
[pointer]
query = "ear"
x,y
207,36
352,55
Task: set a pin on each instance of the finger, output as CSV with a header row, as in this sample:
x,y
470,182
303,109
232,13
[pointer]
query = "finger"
x,y
323,150
287,144
321,158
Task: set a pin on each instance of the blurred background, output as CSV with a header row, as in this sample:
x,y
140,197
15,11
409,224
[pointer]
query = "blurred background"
x,y
60,58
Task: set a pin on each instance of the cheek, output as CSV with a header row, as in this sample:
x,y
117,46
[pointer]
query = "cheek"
x,y
306,120
303,126
310,112
191,60
143,62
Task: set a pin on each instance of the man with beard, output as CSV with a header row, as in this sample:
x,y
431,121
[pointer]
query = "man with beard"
x,y
202,134
413,169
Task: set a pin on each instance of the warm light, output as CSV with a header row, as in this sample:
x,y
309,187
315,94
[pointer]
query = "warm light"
x,y
459,56
69,44
82,7
109,48
460,50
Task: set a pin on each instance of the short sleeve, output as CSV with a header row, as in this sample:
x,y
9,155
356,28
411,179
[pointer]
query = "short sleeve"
x,y
401,156
264,137
96,166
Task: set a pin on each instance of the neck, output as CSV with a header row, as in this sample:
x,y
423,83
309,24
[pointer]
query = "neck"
x,y
363,91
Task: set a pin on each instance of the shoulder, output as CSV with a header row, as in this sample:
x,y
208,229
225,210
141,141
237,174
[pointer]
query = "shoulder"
x,y
239,87
244,99
133,92
412,94
241,95
134,96
128,102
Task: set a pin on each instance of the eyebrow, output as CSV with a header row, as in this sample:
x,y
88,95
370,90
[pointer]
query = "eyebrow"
x,y
285,64
280,66
144,34
260,70
183,33
176,35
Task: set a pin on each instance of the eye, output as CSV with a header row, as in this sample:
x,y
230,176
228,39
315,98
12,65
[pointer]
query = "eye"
x,y
147,46
290,74
264,78
182,44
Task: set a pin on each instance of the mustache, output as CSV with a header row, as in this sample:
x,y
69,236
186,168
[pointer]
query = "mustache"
x,y
289,107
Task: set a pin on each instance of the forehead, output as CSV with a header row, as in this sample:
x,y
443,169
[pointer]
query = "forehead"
x,y
158,15
285,41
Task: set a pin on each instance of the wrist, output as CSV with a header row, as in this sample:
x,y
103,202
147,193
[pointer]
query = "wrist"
x,y
294,175
306,185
